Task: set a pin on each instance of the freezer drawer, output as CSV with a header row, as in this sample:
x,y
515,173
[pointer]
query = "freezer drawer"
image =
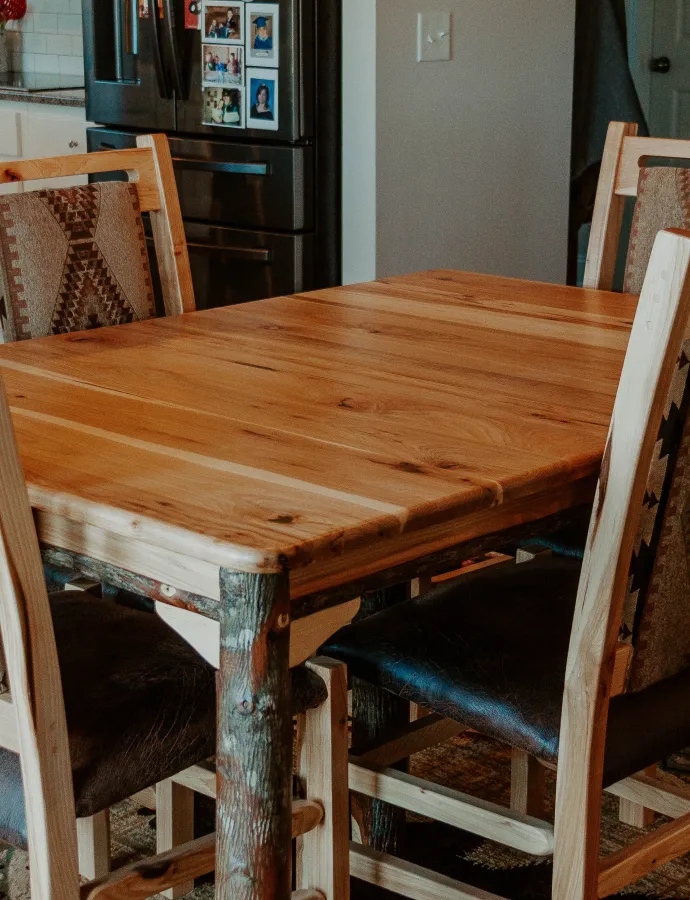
x,y
233,266
242,185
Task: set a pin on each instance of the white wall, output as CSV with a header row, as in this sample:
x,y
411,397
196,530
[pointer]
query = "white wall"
x,y
359,140
472,156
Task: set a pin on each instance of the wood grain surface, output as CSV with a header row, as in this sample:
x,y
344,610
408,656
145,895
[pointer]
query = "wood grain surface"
x,y
302,431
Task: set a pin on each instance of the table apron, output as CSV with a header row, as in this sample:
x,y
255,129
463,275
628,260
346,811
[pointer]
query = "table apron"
x,y
134,566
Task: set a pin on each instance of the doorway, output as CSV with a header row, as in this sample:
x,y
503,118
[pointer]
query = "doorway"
x,y
659,53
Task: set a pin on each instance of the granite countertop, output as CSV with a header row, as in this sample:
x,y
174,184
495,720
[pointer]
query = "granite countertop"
x,y
69,97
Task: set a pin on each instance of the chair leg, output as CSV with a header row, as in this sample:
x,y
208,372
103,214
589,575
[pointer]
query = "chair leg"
x,y
174,824
323,852
577,832
93,843
526,784
631,813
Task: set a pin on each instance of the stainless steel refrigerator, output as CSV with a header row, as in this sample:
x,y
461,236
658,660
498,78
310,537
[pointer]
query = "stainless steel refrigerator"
x,y
261,207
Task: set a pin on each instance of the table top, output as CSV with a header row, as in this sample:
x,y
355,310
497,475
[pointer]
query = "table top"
x,y
300,430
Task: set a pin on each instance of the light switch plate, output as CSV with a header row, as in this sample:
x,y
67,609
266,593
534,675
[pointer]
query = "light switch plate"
x,y
433,36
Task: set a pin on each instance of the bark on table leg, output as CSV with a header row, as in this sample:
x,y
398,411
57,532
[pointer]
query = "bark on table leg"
x,y
376,712
254,754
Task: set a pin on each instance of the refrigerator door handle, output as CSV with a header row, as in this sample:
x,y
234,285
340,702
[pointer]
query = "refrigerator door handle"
x,y
176,64
117,28
229,168
163,86
132,30
251,254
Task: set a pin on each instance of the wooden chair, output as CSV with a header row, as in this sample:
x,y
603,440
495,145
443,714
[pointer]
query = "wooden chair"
x,y
625,155
528,654
662,201
120,275
75,258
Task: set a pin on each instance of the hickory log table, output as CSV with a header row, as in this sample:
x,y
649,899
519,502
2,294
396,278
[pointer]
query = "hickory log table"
x,y
260,463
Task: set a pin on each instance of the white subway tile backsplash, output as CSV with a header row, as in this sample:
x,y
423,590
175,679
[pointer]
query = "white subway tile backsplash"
x,y
34,43
71,65
48,38
59,44
46,23
46,62
69,23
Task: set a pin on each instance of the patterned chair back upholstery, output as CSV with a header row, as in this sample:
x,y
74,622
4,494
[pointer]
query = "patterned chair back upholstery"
x,y
663,201
656,618
72,259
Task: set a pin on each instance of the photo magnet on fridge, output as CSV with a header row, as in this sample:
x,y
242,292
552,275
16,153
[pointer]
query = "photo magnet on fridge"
x,y
222,64
223,22
262,99
223,107
263,34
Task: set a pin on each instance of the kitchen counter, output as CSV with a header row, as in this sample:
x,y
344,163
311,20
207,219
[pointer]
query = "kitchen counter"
x,y
70,97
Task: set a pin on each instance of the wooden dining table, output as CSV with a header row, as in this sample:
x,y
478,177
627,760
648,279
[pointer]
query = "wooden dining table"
x,y
263,465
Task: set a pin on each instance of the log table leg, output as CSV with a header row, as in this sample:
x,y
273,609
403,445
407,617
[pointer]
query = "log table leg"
x,y
375,712
254,753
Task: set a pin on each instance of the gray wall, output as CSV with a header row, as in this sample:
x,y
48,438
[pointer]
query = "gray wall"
x,y
471,155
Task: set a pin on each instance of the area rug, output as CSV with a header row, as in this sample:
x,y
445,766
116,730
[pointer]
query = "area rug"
x,y
469,763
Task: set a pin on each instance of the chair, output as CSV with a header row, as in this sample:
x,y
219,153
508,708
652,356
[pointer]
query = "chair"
x,y
74,259
662,202
530,654
106,700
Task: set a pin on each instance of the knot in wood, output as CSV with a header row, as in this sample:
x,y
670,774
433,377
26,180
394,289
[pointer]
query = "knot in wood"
x,y
247,706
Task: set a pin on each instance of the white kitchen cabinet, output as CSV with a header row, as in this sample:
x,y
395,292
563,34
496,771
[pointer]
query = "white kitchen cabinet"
x,y
36,130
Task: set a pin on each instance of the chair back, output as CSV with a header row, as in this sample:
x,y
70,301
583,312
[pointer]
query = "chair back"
x,y
653,355
32,715
656,613
76,258
663,201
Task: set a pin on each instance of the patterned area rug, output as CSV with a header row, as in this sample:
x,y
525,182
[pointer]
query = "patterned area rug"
x,y
469,763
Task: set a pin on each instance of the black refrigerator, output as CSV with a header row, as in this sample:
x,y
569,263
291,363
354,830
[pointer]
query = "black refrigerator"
x,y
248,94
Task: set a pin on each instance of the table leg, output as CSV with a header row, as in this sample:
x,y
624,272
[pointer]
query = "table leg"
x,y
254,754
375,712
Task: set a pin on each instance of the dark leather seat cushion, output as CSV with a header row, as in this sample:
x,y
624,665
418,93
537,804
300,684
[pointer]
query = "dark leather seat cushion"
x,y
140,706
490,650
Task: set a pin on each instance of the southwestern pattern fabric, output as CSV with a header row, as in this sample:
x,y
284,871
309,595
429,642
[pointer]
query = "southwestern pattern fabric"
x,y
656,617
663,201
72,259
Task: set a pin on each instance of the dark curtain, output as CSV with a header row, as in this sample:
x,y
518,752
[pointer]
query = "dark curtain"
x,y
604,91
